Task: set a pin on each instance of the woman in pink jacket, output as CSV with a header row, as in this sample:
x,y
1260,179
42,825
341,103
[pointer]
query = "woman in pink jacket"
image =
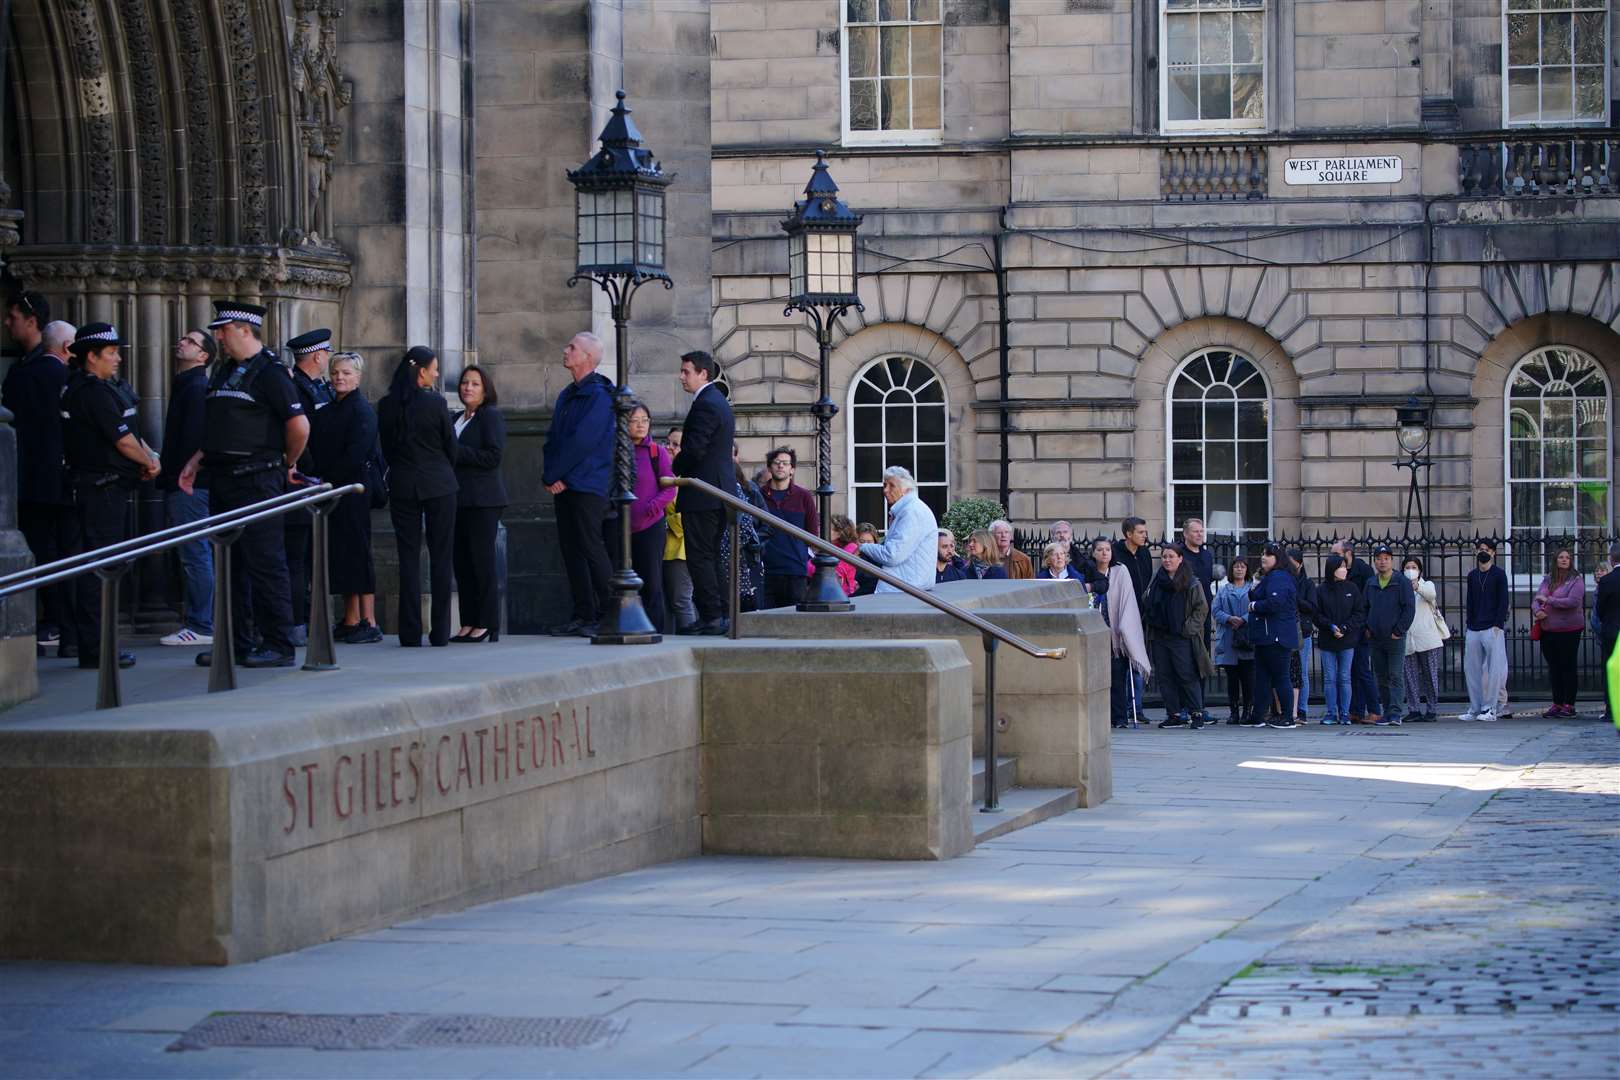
x,y
646,516
1559,610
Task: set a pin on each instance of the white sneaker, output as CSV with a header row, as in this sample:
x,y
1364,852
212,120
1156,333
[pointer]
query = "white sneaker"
x,y
186,636
1468,718
1487,717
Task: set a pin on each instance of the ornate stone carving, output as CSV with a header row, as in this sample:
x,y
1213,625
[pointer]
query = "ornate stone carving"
x,y
201,156
321,91
150,137
10,220
95,105
53,265
242,46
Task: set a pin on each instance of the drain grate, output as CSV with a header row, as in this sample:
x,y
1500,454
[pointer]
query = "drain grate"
x,y
395,1031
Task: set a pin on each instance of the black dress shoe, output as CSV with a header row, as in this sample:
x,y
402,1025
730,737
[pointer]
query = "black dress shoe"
x,y
571,628
267,658
125,660
206,658
715,628
689,629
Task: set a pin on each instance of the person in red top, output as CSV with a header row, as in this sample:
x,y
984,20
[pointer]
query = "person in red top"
x,y
785,581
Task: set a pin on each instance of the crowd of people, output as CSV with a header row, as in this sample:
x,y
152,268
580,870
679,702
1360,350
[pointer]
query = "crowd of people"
x,y
1377,627
244,426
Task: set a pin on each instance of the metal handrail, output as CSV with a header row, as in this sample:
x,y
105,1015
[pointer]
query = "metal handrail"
x,y
113,561
990,635
184,532
777,524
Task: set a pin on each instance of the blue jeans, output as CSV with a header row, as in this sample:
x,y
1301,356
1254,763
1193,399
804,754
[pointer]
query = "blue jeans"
x,y
1305,646
1336,683
196,559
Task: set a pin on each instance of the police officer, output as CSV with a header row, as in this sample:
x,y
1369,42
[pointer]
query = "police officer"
x,y
310,353
254,432
105,461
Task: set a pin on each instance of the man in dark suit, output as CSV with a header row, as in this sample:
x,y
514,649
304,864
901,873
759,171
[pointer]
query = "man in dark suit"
x,y
1608,614
705,455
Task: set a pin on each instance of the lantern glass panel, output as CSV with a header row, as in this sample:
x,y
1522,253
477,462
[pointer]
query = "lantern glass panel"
x,y
1413,437
650,228
797,285
831,263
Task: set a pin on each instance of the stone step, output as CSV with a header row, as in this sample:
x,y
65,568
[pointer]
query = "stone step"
x,y
1022,807
1006,776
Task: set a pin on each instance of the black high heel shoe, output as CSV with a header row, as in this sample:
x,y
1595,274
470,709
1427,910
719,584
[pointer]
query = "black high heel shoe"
x,y
490,635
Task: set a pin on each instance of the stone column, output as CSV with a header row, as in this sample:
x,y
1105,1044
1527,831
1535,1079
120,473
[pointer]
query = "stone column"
x,y
1438,42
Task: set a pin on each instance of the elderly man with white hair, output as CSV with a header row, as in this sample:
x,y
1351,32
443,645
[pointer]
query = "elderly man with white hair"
x,y
577,472
911,545
1019,567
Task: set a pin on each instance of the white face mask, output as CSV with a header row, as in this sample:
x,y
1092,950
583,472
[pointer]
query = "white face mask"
x,y
1411,573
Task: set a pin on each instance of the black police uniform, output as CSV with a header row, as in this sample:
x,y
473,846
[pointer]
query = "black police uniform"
x,y
244,441
314,395
32,391
96,414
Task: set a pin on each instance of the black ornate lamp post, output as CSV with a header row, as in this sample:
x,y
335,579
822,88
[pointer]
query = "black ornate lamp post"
x,y
619,222
1412,434
822,276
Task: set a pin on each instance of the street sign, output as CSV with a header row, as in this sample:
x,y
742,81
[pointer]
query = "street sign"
x,y
1342,170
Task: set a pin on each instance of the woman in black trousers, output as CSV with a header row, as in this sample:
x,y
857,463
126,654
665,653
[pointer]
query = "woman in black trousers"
x,y
481,436
419,442
342,439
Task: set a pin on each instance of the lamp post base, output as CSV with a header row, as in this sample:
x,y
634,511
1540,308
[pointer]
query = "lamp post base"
x,y
824,592
626,622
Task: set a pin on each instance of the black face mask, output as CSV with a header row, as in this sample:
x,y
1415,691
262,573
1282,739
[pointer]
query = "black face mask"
x,y
1483,557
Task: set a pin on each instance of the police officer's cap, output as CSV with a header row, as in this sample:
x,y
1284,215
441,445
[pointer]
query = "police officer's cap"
x,y
229,311
96,335
314,341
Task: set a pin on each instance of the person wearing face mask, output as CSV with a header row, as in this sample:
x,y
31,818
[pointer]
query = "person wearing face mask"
x,y
1485,614
1423,646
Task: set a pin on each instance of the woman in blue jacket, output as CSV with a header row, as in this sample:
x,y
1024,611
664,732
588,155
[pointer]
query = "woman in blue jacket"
x,y
1274,633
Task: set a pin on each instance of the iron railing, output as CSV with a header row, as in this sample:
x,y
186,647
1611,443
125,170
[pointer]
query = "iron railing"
x,y
990,634
1446,561
112,562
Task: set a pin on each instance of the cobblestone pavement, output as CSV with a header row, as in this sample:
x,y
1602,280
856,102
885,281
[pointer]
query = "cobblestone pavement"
x,y
1495,954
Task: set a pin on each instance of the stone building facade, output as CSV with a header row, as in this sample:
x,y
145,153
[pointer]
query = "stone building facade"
x,y
1119,237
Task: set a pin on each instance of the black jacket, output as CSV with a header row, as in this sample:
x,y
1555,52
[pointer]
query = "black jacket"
x,y
1389,609
1305,597
33,393
1139,565
421,450
1341,604
183,427
341,437
1608,607
478,467
705,454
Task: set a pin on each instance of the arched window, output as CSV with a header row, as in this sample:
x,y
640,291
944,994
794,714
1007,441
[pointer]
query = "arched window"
x,y
897,417
1558,446
1220,445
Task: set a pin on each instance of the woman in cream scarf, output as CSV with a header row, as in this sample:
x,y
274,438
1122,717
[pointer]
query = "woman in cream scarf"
x,y
1111,584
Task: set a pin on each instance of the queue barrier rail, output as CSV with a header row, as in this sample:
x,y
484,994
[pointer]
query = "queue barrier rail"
x,y
112,562
990,635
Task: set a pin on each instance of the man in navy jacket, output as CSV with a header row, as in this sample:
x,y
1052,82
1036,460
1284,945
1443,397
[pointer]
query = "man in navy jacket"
x,y
709,433
578,472
1390,609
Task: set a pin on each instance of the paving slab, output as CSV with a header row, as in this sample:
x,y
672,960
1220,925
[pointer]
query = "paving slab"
x,y
1106,941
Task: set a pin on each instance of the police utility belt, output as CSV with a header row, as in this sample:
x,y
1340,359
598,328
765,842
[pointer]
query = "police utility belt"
x,y
98,480
249,466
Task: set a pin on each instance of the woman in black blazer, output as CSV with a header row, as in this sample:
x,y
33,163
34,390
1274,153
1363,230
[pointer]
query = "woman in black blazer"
x,y
342,439
481,434
419,442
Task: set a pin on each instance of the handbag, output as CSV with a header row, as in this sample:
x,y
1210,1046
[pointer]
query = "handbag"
x,y
376,480
1535,630
1440,624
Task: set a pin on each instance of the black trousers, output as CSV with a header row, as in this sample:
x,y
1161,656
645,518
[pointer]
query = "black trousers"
x,y
1119,692
299,533
476,587
703,531
784,590
49,530
258,563
408,516
100,517
584,555
1561,648
1177,672
1240,687
1270,677
647,559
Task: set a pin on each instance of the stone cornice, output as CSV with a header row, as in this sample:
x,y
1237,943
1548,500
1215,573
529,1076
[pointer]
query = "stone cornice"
x,y
326,269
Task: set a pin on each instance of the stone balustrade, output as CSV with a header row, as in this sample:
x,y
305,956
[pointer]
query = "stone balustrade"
x,y
1528,167
1220,172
